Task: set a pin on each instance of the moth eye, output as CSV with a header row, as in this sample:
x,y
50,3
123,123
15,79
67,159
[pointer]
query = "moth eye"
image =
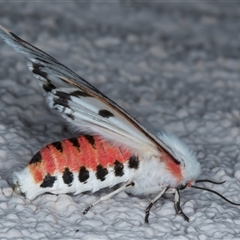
x,y
181,187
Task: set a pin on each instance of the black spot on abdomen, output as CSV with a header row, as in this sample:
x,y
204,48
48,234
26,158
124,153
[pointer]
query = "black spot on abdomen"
x,y
58,146
105,113
101,172
133,162
83,174
118,169
48,181
67,176
91,140
37,158
75,143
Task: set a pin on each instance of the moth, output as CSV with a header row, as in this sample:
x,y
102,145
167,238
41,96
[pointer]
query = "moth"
x,y
112,149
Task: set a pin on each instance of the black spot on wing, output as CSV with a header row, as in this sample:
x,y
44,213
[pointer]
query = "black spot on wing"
x,y
63,95
101,172
48,181
48,86
67,176
58,146
105,113
37,69
70,116
80,94
61,98
91,140
75,143
133,162
61,101
83,174
36,158
118,169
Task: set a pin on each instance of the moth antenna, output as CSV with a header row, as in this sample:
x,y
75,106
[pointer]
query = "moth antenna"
x,y
212,191
210,181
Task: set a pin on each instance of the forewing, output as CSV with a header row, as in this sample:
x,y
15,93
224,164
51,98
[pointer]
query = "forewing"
x,y
79,102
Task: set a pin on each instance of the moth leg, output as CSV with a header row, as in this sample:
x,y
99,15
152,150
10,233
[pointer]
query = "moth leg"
x,y
177,205
129,185
147,211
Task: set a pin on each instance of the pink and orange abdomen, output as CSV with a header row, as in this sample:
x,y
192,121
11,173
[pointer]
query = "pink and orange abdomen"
x,y
80,155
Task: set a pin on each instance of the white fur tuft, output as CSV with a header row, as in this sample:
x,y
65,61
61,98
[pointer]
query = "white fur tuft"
x,y
191,168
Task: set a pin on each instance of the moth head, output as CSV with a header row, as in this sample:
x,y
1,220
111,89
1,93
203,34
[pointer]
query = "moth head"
x,y
182,187
181,161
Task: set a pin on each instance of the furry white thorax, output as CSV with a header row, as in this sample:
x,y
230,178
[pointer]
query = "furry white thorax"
x,y
190,166
151,176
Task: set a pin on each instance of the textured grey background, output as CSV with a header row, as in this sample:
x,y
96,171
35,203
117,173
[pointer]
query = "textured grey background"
x,y
171,65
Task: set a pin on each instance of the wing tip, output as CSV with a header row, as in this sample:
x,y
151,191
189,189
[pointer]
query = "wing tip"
x,y
11,38
4,33
3,29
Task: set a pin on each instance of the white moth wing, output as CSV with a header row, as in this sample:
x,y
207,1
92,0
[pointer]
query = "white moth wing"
x,y
84,106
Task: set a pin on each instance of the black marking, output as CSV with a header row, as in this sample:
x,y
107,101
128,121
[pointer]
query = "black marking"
x,y
58,146
67,176
118,169
18,38
133,162
48,181
175,160
90,139
75,143
101,172
62,99
37,158
59,101
80,94
48,87
83,174
63,95
42,60
87,209
119,109
70,116
177,206
105,113
37,69
130,184
23,194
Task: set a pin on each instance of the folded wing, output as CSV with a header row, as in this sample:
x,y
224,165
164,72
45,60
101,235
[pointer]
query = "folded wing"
x,y
81,104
